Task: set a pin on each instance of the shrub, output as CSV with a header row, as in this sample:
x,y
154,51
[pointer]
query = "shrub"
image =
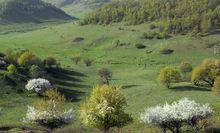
x,y
11,56
35,72
206,72
216,87
166,51
78,39
140,46
38,85
50,62
185,67
152,26
12,69
105,75
88,62
25,58
76,59
169,75
50,111
176,115
105,108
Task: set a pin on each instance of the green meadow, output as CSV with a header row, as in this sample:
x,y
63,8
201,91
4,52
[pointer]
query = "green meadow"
x,y
135,70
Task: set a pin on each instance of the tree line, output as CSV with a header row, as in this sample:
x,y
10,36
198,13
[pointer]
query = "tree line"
x,y
172,16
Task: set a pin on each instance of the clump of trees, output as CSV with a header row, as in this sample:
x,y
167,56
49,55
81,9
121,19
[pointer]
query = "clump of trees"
x,y
169,75
105,108
50,111
176,17
177,115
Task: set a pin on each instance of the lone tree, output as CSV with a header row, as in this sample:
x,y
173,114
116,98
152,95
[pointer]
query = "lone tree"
x,y
105,108
105,75
206,72
88,62
184,113
169,75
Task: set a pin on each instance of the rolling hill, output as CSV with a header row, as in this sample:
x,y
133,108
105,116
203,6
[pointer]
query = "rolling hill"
x,y
78,7
22,11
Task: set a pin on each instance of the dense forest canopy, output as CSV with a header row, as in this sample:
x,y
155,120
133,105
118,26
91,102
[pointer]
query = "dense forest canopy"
x,y
173,16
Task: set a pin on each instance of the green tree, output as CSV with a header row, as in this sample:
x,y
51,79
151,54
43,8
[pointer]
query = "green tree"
x,y
169,75
206,72
105,75
25,58
12,69
105,108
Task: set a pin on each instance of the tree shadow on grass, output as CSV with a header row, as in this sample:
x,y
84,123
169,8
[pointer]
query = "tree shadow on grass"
x,y
129,86
70,94
189,88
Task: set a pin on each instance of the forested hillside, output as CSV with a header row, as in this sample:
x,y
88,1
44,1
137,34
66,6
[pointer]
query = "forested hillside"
x,y
29,11
172,16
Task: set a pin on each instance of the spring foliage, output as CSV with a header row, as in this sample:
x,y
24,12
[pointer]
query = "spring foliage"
x,y
177,114
105,108
206,72
50,111
173,16
169,75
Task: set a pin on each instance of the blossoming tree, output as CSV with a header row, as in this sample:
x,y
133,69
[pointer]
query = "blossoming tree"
x,y
50,111
38,85
105,108
176,115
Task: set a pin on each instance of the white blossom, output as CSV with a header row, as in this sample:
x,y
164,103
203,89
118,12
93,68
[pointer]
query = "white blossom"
x,y
33,115
183,111
2,63
38,85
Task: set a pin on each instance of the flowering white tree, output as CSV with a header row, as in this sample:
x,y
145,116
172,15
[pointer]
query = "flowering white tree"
x,y
174,116
38,85
50,112
49,117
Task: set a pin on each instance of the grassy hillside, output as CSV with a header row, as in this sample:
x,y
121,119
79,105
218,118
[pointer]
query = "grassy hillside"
x,y
134,69
22,11
78,8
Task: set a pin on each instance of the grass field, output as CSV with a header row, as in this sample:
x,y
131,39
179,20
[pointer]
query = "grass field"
x,y
134,69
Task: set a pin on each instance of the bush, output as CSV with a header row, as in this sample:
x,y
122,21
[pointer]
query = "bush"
x,y
50,62
105,108
216,87
50,111
38,85
140,46
152,26
105,75
12,69
169,75
206,72
76,59
166,51
78,39
25,58
185,67
11,56
88,62
35,72
177,115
